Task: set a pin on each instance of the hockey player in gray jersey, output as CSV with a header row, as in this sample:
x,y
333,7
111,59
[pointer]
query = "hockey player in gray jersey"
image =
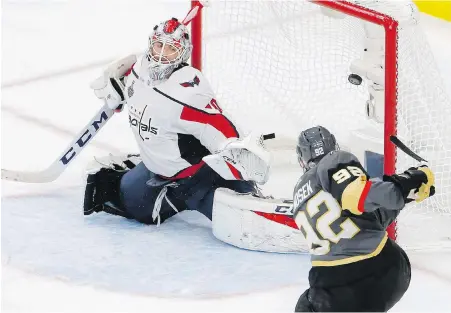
x,y
343,215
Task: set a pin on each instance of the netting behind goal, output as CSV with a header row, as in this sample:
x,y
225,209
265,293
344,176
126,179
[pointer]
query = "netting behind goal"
x,y
282,66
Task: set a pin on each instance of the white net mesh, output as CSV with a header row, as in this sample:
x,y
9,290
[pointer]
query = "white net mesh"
x,y
282,66
424,123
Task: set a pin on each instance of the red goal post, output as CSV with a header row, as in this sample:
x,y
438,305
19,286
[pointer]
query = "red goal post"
x,y
285,65
391,29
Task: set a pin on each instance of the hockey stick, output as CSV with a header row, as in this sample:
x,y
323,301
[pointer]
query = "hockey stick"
x,y
395,140
75,147
196,7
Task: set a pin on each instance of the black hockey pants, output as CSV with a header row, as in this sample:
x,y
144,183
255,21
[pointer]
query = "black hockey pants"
x,y
371,285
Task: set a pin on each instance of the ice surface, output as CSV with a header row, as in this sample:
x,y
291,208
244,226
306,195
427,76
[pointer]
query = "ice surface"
x,y
54,259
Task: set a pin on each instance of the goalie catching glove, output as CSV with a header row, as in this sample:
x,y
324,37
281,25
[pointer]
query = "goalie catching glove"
x,y
110,85
242,159
417,183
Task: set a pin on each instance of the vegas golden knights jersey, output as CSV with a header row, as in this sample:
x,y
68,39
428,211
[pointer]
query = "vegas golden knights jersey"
x,y
343,213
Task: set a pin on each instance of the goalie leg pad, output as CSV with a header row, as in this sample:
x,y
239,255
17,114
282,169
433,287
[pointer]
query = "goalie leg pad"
x,y
256,223
206,205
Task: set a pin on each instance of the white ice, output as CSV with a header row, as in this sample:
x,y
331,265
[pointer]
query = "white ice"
x,y
54,259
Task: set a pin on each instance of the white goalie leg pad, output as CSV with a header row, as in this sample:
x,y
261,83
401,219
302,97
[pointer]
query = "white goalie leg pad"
x,y
238,220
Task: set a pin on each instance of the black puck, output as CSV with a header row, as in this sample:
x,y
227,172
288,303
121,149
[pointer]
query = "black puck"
x,y
269,136
355,79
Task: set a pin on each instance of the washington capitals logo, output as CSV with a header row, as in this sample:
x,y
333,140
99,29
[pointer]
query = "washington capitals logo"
x,y
191,83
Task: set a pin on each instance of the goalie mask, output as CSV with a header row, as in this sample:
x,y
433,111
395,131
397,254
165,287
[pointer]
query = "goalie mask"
x,y
169,46
313,144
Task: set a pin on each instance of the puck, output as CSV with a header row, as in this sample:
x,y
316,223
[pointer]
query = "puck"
x,y
269,136
355,79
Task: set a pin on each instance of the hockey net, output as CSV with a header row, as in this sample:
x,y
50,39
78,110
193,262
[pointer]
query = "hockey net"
x,y
282,66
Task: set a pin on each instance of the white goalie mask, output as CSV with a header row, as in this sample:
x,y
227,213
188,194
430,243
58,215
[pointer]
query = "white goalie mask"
x,y
169,46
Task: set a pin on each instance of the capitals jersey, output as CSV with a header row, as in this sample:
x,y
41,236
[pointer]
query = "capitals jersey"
x,y
177,122
323,198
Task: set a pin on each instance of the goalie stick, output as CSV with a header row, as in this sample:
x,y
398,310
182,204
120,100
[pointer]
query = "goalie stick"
x,y
69,154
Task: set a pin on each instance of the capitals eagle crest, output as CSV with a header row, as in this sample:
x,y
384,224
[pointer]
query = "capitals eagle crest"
x,y
191,83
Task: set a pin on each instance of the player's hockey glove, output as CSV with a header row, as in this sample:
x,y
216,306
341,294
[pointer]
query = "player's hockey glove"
x,y
417,183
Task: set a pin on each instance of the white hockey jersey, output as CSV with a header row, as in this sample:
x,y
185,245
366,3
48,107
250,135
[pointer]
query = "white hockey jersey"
x,y
177,122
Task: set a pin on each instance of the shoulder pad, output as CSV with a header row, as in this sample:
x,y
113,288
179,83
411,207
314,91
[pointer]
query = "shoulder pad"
x,y
334,158
188,86
188,77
